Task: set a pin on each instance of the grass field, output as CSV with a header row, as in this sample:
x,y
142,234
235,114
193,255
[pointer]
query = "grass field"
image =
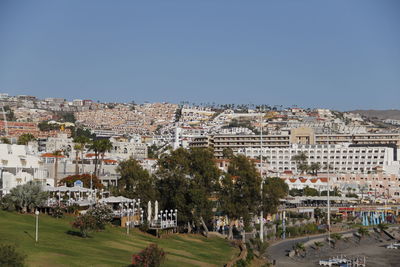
x,y
111,247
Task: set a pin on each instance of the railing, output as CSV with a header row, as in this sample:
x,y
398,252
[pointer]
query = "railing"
x,y
163,224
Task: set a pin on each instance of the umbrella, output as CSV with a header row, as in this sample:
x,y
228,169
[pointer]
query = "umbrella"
x,y
156,210
149,211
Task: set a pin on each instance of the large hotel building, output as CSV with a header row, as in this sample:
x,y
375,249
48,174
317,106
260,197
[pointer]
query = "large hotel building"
x,y
357,153
303,136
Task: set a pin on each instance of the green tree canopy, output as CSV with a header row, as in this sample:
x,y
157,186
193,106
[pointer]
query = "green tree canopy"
x,y
312,192
26,197
135,182
100,147
274,189
5,140
24,139
240,189
187,179
10,257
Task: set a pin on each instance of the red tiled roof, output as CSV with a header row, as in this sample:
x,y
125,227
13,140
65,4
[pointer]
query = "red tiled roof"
x,y
51,155
110,161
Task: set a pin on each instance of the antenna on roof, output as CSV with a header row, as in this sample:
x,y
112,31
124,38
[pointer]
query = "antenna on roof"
x,y
5,119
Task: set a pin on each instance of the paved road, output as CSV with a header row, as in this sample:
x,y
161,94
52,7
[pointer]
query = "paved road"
x,y
279,251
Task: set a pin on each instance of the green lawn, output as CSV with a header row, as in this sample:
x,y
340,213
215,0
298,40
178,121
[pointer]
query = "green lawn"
x,y
111,247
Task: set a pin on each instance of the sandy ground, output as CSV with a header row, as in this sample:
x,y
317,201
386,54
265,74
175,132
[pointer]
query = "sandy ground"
x,y
372,247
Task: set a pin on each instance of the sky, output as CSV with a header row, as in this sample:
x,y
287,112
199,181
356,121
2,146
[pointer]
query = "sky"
x,y
342,54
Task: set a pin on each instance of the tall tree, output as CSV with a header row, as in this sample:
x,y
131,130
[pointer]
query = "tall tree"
x,y
314,168
105,146
273,190
135,182
187,179
301,161
100,147
240,190
81,143
77,148
56,154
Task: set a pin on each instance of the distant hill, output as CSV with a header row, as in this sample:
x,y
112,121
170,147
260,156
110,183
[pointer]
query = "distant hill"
x,y
380,114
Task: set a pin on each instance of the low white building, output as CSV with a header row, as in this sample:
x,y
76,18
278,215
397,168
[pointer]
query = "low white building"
x,y
318,183
19,165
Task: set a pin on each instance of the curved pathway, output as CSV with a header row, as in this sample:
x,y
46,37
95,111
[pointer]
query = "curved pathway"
x,y
279,251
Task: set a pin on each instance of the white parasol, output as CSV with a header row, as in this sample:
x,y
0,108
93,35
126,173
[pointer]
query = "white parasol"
x,y
156,210
149,211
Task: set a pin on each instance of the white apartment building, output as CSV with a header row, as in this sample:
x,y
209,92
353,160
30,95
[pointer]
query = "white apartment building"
x,y
19,165
343,158
61,142
394,122
184,135
126,149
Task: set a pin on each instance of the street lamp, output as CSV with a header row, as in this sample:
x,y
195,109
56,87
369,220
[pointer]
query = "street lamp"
x,y
1,182
176,217
37,226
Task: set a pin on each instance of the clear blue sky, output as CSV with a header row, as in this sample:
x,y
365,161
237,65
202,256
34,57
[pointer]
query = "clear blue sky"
x,y
340,54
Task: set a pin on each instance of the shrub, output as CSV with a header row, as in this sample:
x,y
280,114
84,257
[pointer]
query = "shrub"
x,y
95,219
152,256
85,223
250,254
10,257
72,209
25,197
241,263
6,203
86,178
102,214
256,248
57,212
144,227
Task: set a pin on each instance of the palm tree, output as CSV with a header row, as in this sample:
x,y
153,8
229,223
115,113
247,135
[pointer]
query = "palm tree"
x,y
336,237
81,143
77,148
319,215
362,231
26,197
95,147
301,161
100,147
56,154
318,245
298,247
382,227
362,190
336,191
315,167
